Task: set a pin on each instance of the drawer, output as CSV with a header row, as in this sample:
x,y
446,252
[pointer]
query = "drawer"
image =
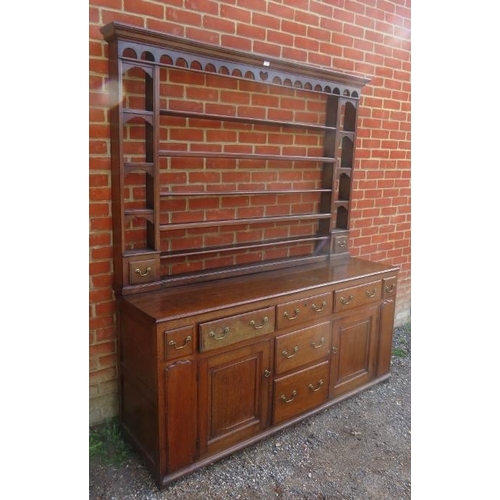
x,y
179,342
307,309
302,347
142,271
355,296
340,243
389,286
300,392
233,329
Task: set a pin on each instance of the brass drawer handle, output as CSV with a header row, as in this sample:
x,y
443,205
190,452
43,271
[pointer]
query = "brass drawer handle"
x,y
283,397
316,389
318,309
335,350
287,355
173,344
138,271
258,327
224,333
297,312
390,289
345,301
267,373
321,342
371,294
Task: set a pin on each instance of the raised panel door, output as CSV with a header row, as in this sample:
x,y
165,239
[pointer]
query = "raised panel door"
x,y
354,349
234,396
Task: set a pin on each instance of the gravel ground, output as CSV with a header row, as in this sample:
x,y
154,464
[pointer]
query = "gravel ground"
x,y
357,449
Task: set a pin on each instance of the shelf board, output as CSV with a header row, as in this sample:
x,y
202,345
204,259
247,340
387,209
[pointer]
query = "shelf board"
x,y
241,193
239,222
241,119
246,246
242,156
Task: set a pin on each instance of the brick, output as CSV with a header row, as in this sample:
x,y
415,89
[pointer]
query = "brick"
x,y
250,32
219,24
235,13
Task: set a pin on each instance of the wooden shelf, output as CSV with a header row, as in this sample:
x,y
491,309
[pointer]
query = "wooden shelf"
x,y
241,119
239,222
245,246
242,193
242,156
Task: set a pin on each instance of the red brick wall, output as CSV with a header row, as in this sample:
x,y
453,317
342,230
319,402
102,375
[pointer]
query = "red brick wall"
x,y
368,37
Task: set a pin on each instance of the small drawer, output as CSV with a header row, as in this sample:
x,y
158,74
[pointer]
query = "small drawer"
x,y
301,391
302,347
142,271
233,329
300,311
355,296
179,342
340,243
389,286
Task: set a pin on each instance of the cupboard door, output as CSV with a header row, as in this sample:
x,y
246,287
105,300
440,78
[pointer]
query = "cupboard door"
x,y
181,413
234,396
354,350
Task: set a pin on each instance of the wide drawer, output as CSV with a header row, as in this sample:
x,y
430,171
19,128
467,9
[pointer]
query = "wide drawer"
x,y
302,347
302,391
302,310
355,296
233,329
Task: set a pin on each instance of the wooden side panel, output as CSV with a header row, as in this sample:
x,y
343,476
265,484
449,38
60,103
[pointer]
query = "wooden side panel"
x,y
385,341
354,350
138,402
181,405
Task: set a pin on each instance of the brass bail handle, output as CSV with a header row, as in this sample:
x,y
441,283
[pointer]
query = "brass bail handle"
x,y
345,301
290,355
225,331
173,344
292,397
319,308
145,273
297,312
258,327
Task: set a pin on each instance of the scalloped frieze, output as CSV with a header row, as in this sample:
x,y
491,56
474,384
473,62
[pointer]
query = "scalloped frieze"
x,y
264,74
